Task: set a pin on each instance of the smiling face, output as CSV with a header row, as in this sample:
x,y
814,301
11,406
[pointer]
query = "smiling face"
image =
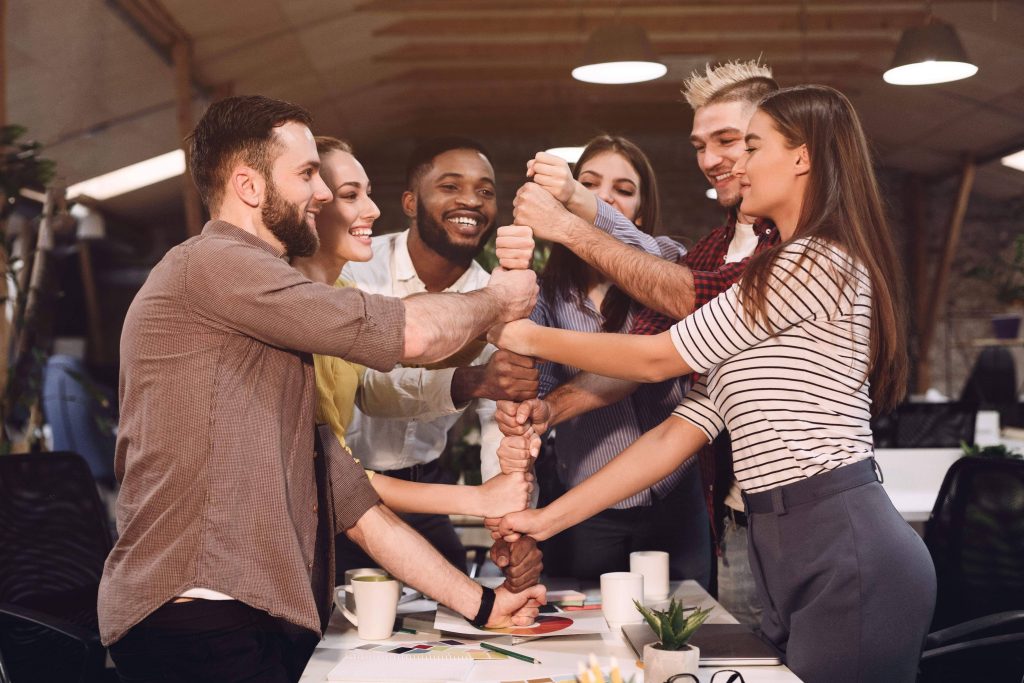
x,y
346,222
611,177
717,136
454,204
295,193
772,175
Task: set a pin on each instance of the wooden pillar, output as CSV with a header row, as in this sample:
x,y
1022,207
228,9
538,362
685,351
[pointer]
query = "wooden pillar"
x,y
182,54
941,281
915,218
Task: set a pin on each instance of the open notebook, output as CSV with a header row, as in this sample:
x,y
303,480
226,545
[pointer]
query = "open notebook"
x,y
720,644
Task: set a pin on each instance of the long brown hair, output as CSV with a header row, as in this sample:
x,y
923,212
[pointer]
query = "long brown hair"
x,y
566,273
841,205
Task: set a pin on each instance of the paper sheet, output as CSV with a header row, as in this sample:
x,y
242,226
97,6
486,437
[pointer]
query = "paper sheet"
x,y
546,625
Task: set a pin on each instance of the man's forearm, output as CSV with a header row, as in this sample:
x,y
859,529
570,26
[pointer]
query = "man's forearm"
x,y
585,392
653,281
438,325
411,559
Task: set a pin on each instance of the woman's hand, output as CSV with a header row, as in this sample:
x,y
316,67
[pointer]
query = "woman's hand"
x,y
512,336
530,522
553,174
517,452
505,493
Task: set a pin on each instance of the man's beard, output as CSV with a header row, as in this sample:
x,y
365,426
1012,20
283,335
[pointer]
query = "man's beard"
x,y
287,223
436,237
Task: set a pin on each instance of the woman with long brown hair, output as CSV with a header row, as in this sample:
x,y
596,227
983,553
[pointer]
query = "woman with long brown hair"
x,y
794,358
669,515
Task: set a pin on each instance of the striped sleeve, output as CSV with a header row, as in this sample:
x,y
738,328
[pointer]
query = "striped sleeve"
x,y
698,409
806,284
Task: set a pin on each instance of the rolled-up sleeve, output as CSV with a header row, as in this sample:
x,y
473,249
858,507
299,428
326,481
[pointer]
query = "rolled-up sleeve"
x,y
698,409
611,221
246,289
352,491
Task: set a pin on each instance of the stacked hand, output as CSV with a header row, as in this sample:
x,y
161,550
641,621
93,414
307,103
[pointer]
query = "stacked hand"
x,y
506,492
516,289
516,609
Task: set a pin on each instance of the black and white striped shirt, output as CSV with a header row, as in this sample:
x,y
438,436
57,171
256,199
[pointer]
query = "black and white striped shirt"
x,y
794,395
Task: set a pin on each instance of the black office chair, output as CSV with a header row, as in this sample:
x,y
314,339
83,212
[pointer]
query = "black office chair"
x,y
54,539
976,537
925,425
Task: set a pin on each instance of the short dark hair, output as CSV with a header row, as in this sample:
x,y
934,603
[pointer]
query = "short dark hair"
x,y
422,158
237,129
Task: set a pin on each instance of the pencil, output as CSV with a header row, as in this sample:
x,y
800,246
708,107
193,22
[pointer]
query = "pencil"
x,y
509,653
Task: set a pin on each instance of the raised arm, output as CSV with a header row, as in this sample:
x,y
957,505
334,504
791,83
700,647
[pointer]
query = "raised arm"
x,y
648,460
625,356
438,325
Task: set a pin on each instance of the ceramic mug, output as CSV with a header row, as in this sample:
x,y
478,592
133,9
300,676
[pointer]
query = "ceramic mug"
x,y
345,590
653,564
618,591
376,600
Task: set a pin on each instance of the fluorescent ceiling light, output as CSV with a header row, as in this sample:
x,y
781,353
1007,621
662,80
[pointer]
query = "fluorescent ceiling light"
x,y
130,178
1015,160
929,54
711,193
570,154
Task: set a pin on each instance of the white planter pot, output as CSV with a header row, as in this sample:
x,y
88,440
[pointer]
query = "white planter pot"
x,y
660,664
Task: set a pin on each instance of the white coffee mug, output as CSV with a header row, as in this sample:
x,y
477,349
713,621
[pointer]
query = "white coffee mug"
x,y
653,564
618,591
346,589
376,606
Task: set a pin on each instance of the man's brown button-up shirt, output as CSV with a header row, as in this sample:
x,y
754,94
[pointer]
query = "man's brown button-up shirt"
x,y
217,397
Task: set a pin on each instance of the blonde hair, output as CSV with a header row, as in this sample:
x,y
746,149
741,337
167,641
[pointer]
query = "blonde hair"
x,y
730,81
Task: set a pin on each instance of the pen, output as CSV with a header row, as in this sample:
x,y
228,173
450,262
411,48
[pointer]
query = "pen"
x,y
509,653
406,630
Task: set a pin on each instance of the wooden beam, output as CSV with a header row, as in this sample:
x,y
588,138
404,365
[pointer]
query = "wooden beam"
x,y
710,18
3,64
615,6
941,280
546,52
183,93
914,215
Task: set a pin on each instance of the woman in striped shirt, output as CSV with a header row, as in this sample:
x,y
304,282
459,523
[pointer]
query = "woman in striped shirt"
x,y
794,357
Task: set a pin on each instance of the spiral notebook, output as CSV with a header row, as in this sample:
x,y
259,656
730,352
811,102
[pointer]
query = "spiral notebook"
x,y
437,660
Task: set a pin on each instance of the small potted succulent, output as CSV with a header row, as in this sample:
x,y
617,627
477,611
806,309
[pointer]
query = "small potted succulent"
x,y
671,654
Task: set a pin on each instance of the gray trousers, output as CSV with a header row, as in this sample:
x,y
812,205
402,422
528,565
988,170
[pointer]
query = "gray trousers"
x,y
848,588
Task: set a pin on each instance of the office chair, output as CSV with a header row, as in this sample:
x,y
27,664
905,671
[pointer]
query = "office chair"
x,y
54,539
976,538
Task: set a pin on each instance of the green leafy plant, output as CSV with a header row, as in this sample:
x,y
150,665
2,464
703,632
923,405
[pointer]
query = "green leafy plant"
x,y
1006,275
673,626
990,451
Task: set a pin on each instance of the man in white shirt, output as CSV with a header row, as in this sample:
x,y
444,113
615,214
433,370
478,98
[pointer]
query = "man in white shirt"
x,y
451,201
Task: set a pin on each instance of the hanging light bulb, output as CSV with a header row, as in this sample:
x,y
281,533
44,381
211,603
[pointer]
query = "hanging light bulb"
x,y
929,54
619,53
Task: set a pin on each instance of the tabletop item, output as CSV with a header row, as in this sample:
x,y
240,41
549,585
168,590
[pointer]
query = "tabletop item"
x,y
350,598
562,624
653,564
510,653
719,644
618,591
376,606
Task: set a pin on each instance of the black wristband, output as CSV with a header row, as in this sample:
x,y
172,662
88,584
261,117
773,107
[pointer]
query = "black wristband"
x,y
486,607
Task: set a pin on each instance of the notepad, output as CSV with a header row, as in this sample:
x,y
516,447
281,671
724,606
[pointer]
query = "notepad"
x,y
359,665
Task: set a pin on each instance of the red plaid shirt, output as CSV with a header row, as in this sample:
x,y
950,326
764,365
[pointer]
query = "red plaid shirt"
x,y
711,274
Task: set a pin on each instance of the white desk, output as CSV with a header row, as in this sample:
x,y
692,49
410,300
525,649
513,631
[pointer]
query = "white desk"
x,y
341,636
912,477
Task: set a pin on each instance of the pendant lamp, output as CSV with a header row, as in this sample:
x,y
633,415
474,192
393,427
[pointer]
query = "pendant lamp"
x,y
619,53
929,54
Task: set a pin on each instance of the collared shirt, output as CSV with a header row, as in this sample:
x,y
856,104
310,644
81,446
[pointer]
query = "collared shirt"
x,y
712,270
586,443
215,450
381,433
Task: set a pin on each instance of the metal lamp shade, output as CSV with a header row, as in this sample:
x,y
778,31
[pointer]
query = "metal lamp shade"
x,y
619,54
929,54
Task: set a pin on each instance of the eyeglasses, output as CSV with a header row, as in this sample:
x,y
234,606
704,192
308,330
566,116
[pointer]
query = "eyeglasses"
x,y
730,676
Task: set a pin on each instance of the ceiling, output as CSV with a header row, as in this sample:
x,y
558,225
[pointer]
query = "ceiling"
x,y
98,90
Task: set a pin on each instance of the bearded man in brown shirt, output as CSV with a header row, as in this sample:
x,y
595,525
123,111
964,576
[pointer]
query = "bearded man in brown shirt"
x,y
224,565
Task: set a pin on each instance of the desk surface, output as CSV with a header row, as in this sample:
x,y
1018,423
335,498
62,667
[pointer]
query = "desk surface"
x,y
342,636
